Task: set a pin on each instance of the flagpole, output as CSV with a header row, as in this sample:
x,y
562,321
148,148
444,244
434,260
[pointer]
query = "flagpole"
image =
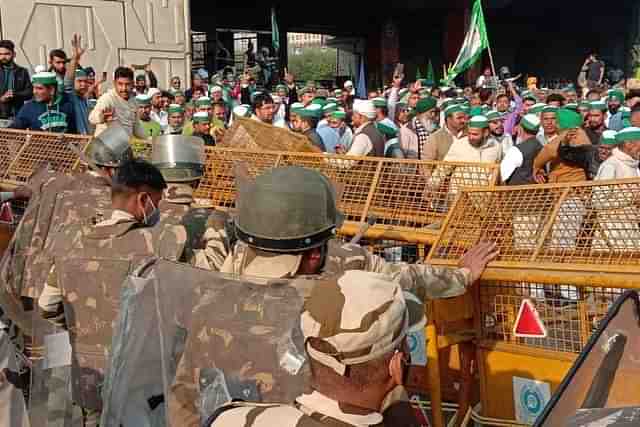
x,y
493,67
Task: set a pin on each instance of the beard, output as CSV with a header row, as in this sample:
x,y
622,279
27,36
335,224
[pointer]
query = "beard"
x,y
427,124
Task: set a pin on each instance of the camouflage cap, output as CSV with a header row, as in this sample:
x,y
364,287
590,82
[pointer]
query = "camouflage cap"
x,y
360,315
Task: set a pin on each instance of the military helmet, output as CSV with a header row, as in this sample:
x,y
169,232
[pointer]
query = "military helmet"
x,y
111,147
179,158
288,209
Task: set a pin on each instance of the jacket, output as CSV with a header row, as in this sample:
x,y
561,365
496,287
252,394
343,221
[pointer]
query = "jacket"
x,y
59,118
560,171
438,144
22,91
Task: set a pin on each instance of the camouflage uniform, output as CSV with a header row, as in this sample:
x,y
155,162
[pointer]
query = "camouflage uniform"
x,y
181,161
358,331
425,281
206,228
90,264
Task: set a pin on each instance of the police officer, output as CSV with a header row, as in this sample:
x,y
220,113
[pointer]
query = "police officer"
x,y
90,263
357,351
286,223
81,198
180,159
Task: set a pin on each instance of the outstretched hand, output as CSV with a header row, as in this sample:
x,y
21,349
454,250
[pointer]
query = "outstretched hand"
x,y
477,258
76,43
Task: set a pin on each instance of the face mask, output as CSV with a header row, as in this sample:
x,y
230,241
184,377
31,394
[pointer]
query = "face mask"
x,y
153,218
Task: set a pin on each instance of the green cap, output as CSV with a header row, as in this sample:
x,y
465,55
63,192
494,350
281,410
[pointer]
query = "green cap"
x,y
81,73
446,103
319,101
609,137
203,101
143,99
452,109
616,95
426,104
45,78
337,93
313,111
379,102
550,109
568,119
598,106
177,93
494,115
537,108
242,111
282,87
175,108
330,108
340,115
387,131
528,95
475,111
332,100
584,105
628,134
572,106
530,123
296,107
201,117
479,122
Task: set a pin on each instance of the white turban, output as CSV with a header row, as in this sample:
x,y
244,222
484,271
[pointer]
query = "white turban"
x,y
364,107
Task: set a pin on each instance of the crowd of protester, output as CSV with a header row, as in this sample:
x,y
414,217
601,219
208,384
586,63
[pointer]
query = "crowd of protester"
x,y
536,134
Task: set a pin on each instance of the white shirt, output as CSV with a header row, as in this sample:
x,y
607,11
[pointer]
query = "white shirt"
x,y
620,165
361,145
462,151
124,112
512,160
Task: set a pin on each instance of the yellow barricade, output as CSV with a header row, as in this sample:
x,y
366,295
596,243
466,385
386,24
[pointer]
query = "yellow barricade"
x,y
570,249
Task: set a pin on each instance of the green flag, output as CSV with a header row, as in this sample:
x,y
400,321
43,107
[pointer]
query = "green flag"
x,y
418,74
275,34
474,43
431,78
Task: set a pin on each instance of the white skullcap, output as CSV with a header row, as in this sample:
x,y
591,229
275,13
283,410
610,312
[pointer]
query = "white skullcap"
x,y
364,107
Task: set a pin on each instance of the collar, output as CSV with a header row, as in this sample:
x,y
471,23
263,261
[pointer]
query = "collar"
x,y
361,127
321,404
117,216
458,136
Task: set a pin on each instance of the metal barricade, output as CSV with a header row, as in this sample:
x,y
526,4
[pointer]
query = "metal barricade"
x,y
570,250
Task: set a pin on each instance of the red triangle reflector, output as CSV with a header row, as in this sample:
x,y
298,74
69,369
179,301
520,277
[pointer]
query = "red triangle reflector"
x,y
6,213
528,323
